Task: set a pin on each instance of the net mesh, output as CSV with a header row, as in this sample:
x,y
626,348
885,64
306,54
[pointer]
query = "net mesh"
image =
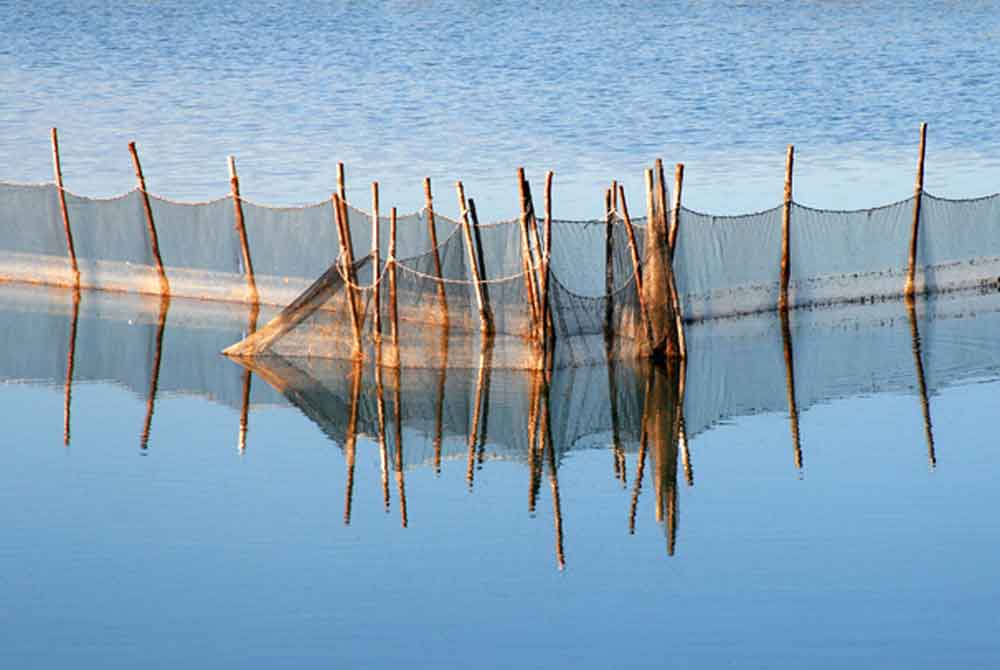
x,y
724,266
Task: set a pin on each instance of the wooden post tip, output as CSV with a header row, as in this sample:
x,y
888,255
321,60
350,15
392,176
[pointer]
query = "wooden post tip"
x,y
231,161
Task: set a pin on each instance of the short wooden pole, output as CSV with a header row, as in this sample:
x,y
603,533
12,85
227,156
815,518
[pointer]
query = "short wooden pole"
x,y
376,273
60,189
234,182
675,211
637,268
485,318
347,267
535,257
477,239
786,216
609,267
529,282
432,232
393,299
547,258
153,239
918,192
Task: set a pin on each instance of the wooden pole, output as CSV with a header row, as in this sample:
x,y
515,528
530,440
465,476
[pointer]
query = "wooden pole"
x,y
918,192
547,258
432,231
70,365
609,268
342,192
481,260
60,189
485,318
661,200
786,216
529,282
376,271
350,275
637,267
341,182
393,299
675,211
153,239
234,182
535,258
661,191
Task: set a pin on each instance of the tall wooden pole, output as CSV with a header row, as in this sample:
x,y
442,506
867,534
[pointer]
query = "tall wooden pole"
x,y
393,299
376,273
547,258
483,286
786,215
609,268
675,211
234,182
918,192
350,276
153,239
60,189
529,282
637,267
485,318
432,232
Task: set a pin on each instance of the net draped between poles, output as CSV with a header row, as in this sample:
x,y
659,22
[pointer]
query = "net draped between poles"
x,y
724,266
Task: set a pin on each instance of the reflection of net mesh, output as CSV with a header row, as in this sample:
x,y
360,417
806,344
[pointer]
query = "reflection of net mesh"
x,y
724,266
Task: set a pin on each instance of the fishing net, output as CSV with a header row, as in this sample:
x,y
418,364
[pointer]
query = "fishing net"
x,y
724,266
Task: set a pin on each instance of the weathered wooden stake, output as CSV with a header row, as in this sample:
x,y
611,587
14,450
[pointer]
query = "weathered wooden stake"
x,y
675,212
376,275
535,257
786,216
637,267
347,266
432,231
341,182
477,239
485,318
609,267
234,182
614,195
918,192
529,282
393,299
57,169
153,239
661,192
547,258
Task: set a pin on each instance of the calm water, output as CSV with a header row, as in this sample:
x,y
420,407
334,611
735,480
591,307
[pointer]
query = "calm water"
x,y
830,502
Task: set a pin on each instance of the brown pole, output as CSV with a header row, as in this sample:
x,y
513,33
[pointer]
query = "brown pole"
x,y
481,260
153,239
234,182
614,195
786,216
547,257
342,192
918,191
637,267
675,211
341,182
535,257
529,283
485,318
376,270
350,276
661,191
393,299
57,169
432,231
609,267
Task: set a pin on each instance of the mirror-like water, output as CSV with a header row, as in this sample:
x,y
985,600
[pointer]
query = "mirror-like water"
x,y
817,490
